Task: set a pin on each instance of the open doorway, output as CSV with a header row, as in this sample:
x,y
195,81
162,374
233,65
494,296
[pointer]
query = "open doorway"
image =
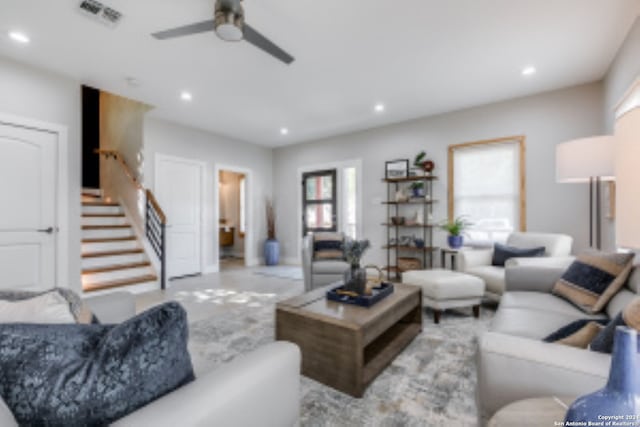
x,y
232,230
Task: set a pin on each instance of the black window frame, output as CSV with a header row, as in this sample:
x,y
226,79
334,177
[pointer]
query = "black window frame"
x,y
333,200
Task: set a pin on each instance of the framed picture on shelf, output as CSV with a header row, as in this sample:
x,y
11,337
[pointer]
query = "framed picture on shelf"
x,y
396,169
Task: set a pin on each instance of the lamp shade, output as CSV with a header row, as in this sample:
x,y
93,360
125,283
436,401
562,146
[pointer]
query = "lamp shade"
x,y
628,171
582,159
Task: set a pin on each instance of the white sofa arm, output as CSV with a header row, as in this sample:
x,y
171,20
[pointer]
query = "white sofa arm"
x,y
113,308
470,258
261,388
512,368
547,262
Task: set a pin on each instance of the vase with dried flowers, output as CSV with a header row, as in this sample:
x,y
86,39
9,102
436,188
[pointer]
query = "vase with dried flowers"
x,y
271,245
355,278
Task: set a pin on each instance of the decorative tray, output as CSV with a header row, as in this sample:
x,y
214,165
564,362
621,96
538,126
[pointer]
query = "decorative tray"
x,y
378,293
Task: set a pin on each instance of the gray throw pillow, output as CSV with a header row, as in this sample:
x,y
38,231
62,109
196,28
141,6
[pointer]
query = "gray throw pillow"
x,y
90,375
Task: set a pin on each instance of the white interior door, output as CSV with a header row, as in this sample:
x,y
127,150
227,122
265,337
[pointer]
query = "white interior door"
x,y
28,161
178,189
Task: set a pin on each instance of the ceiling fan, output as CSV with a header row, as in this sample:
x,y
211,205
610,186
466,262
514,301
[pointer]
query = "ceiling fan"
x,y
229,25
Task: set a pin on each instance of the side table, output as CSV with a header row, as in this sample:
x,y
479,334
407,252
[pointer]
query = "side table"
x,y
538,412
452,254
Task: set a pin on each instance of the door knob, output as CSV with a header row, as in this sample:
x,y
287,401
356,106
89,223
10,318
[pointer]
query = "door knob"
x,y
49,230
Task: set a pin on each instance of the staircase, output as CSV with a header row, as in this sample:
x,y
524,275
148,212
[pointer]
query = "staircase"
x,y
112,255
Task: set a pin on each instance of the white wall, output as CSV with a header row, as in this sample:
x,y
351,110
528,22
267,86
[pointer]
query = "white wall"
x,y
172,139
546,120
41,95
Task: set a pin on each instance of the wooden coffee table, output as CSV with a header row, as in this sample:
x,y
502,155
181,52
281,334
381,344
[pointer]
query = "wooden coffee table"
x,y
345,346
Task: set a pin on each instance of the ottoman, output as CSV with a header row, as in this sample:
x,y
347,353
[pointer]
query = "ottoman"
x,y
443,289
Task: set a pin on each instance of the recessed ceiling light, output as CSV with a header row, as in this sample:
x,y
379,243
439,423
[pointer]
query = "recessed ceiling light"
x,y
19,37
186,96
284,131
379,108
528,71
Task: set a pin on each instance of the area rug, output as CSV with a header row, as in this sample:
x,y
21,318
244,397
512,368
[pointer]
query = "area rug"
x,y
431,383
281,272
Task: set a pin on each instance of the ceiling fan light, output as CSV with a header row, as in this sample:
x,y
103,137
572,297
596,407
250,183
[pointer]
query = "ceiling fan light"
x,y
229,26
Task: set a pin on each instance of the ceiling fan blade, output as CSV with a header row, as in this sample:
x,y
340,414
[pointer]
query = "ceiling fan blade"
x,y
199,27
260,41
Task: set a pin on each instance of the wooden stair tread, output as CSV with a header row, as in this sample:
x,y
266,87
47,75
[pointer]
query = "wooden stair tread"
x,y
100,203
119,283
103,215
113,253
116,267
109,239
105,227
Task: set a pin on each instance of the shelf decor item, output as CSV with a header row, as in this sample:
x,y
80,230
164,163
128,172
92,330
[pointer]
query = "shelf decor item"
x,y
271,245
455,229
421,161
417,189
355,277
621,396
397,169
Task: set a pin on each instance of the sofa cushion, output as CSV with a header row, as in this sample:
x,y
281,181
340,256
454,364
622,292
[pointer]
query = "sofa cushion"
x,y
579,333
630,317
92,374
80,311
556,245
593,279
502,253
46,308
330,267
328,246
493,277
544,302
535,324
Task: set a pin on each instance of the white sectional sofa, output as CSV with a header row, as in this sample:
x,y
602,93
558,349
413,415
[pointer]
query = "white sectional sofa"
x,y
514,363
261,388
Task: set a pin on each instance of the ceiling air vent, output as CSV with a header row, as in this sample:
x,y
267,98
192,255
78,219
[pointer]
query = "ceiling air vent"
x,y
100,12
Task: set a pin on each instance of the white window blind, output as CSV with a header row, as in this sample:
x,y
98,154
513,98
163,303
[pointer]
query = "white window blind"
x,y
487,190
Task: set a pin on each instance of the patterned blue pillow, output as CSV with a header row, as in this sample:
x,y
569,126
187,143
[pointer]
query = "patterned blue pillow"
x,y
76,375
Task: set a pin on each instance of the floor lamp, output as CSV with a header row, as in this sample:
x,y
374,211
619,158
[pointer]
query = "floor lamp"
x,y
588,160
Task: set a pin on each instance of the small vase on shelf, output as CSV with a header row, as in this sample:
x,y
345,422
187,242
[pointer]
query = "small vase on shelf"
x,y
621,396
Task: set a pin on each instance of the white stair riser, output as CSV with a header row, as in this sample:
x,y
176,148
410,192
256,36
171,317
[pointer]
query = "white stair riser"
x,y
101,209
105,234
104,220
116,275
134,289
106,261
110,246
94,191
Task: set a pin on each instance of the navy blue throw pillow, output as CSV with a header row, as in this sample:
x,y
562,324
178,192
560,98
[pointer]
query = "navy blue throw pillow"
x,y
603,342
92,375
501,253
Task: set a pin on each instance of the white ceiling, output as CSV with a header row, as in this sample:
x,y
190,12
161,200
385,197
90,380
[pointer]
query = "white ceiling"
x,y
418,57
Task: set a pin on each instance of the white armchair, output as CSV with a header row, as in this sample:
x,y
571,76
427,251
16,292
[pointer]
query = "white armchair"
x,y
477,262
319,272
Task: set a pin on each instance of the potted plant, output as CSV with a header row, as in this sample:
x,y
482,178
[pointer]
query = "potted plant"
x,y
355,277
455,229
421,161
271,245
417,189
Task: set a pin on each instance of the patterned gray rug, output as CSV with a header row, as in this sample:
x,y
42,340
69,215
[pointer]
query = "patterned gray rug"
x,y
431,383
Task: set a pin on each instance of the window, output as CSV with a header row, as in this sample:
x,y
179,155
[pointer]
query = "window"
x,y
243,221
487,186
319,201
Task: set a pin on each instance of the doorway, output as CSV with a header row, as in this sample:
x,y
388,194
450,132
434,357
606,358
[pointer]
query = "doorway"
x,y
34,193
232,219
178,184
